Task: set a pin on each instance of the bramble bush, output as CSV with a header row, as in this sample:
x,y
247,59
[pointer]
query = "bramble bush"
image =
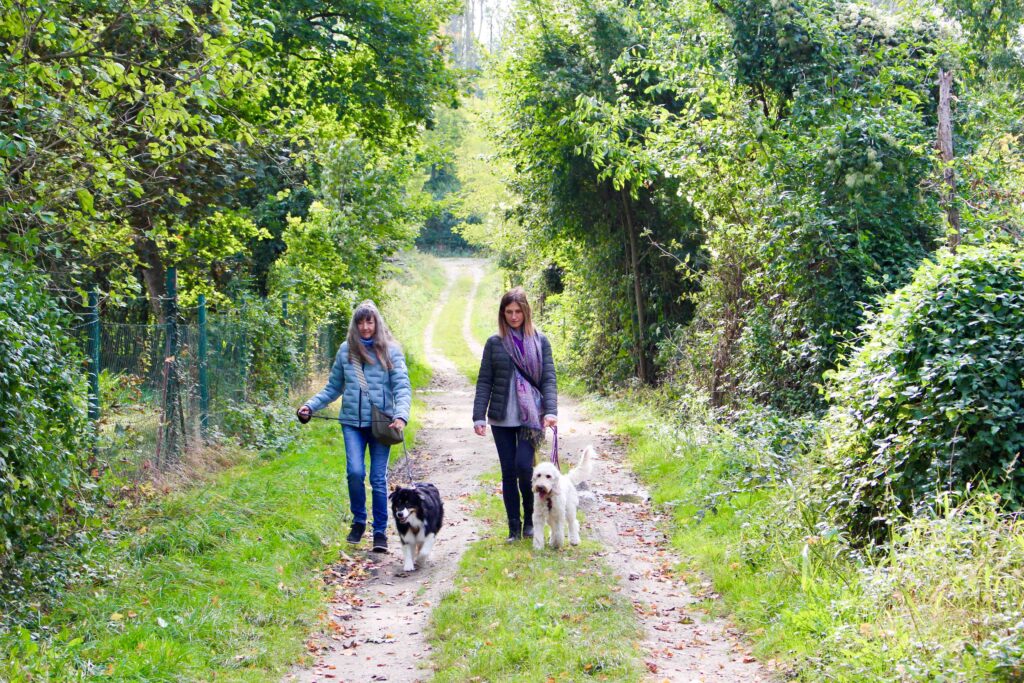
x,y
931,401
43,444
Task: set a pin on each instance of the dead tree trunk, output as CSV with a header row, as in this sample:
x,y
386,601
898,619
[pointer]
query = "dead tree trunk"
x,y
945,143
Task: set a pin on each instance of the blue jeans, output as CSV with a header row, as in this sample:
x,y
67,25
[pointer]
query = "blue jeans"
x,y
357,439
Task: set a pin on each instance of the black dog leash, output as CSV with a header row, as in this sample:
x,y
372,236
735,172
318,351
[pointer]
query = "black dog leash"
x,y
406,456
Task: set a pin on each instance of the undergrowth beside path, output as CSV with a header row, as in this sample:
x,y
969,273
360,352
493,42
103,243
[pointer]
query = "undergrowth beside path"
x,y
943,602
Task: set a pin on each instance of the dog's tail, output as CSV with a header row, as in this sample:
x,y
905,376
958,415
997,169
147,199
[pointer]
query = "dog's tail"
x,y
584,468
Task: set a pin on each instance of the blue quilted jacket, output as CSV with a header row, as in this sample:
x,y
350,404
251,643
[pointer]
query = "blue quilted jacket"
x,y
390,391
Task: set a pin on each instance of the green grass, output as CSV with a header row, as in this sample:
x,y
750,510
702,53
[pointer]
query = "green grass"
x,y
682,474
514,614
410,299
484,317
219,581
448,331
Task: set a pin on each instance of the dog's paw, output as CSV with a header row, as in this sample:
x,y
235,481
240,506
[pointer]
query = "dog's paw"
x,y
409,567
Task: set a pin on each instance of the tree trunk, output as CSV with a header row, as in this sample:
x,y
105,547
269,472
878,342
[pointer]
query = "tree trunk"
x,y
643,370
152,274
467,36
945,142
480,30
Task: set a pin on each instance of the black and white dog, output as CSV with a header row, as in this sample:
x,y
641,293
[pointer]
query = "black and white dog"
x,y
418,513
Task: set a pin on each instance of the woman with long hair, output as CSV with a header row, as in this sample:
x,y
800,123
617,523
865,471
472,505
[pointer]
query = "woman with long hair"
x,y
517,393
371,350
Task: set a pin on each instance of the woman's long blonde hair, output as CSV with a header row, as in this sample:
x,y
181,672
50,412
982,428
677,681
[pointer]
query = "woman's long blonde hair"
x,y
382,339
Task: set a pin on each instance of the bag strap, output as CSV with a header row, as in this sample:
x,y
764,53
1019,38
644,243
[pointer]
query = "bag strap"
x,y
525,374
362,378
358,367
366,388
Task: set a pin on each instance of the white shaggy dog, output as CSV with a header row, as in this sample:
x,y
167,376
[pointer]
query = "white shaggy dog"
x,y
555,500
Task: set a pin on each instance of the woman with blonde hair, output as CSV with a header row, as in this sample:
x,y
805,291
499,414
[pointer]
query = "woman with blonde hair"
x,y
371,351
517,392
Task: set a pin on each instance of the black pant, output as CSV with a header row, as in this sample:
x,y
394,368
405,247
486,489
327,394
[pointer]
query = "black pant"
x,y
516,457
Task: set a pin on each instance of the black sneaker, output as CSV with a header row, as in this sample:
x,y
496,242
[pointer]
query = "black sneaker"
x,y
380,543
528,531
355,534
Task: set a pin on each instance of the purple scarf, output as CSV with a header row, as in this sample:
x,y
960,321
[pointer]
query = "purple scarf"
x,y
526,352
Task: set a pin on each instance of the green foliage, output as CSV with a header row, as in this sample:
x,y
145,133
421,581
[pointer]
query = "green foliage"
x,y
575,130
930,402
43,434
336,255
143,134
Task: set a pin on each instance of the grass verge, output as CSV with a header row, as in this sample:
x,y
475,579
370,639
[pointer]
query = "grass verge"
x,y
410,299
219,580
484,316
448,331
514,614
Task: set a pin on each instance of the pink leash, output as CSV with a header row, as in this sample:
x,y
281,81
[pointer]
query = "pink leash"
x,y
554,448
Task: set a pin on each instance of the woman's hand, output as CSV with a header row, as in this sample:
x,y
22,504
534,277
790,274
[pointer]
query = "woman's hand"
x,y
304,414
398,423
481,430
550,421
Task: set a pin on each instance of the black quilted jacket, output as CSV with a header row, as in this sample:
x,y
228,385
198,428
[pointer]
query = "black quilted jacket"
x,y
495,374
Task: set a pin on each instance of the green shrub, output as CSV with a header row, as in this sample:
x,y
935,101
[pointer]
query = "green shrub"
x,y
42,422
932,400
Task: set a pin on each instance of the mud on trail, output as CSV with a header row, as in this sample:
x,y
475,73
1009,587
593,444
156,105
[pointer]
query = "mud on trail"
x,y
376,626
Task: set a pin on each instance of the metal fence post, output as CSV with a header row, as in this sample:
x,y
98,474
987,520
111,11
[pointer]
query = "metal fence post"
x,y
172,403
204,385
94,355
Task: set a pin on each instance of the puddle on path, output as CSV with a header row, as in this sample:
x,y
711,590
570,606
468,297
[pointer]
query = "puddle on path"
x,y
624,498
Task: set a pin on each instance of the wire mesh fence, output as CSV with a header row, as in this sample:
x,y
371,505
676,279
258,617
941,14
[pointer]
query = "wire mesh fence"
x,y
159,390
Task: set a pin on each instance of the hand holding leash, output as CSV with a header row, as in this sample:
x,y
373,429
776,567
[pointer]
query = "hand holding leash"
x,y
304,414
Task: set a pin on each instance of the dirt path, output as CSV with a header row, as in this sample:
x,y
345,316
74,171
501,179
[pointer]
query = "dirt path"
x,y
378,618
376,629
